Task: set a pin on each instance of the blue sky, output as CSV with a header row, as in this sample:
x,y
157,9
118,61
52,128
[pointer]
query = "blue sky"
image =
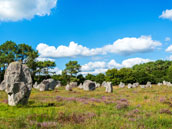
x,y
91,25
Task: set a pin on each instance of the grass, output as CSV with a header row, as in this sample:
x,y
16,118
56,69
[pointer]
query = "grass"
x,y
138,108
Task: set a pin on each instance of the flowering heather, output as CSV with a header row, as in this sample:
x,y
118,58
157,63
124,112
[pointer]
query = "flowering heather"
x,y
165,111
162,99
85,100
122,104
75,118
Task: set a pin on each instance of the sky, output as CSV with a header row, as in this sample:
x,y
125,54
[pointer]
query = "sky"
x,y
99,34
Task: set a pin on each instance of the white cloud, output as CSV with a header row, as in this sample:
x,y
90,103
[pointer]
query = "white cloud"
x,y
56,70
72,50
133,61
169,49
15,10
102,67
44,59
167,39
167,14
125,46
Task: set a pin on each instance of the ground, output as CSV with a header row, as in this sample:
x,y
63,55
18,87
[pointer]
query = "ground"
x,y
149,108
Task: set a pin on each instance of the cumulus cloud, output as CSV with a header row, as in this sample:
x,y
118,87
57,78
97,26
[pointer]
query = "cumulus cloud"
x,y
44,59
167,14
133,61
169,49
125,46
56,70
167,39
15,10
101,66
72,50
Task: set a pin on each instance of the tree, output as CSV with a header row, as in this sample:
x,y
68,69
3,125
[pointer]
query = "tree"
x,y
24,51
111,76
90,77
72,68
100,78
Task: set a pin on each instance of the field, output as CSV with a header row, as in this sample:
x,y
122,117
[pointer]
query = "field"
x,y
149,108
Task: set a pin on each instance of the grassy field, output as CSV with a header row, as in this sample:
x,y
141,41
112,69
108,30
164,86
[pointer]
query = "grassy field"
x,y
149,108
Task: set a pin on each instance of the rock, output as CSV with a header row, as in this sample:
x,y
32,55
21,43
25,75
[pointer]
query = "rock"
x,y
2,86
97,84
47,85
130,86
73,84
159,84
148,84
58,84
135,85
109,87
121,85
142,86
36,85
164,83
68,87
89,85
169,84
18,83
80,86
104,84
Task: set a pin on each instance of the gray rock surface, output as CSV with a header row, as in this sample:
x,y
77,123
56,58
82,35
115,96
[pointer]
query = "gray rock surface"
x,y
2,86
46,85
73,84
68,87
89,85
18,83
109,87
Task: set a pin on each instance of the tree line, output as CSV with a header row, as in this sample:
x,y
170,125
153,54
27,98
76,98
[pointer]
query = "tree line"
x,y
152,71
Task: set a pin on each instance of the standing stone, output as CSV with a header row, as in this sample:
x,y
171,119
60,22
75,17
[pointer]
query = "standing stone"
x,y
109,87
159,84
89,85
130,86
97,85
68,87
73,84
58,84
46,85
104,84
80,86
2,86
18,83
121,85
148,84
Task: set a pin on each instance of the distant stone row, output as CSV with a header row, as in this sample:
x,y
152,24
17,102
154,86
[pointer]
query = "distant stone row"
x,y
134,85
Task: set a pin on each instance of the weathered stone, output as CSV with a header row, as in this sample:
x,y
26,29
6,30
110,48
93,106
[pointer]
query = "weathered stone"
x,y
89,85
97,85
130,86
148,84
135,85
73,84
47,85
68,87
18,83
80,86
36,85
109,87
2,86
104,84
142,86
121,85
58,84
159,84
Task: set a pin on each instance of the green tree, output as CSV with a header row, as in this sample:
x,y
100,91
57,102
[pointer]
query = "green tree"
x,y
72,69
100,78
90,77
